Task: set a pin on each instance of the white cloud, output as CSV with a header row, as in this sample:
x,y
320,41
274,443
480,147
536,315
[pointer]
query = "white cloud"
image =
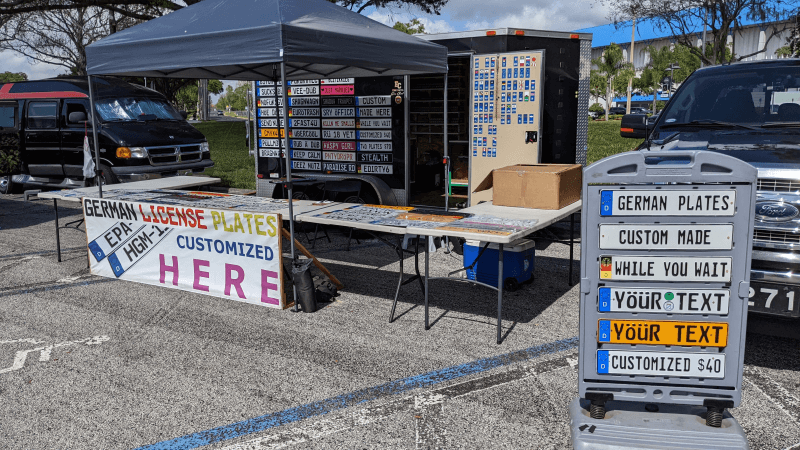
x,y
14,62
534,14
432,26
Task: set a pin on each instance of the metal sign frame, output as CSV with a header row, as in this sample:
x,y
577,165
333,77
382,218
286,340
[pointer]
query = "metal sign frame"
x,y
716,175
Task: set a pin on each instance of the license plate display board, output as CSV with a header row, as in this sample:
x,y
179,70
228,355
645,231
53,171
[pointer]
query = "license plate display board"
x,y
506,104
665,270
349,126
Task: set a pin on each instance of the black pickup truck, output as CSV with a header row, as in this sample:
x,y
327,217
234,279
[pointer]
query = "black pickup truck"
x,y
750,111
43,124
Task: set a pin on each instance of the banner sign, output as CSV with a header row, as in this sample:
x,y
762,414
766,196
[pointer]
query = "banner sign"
x,y
229,254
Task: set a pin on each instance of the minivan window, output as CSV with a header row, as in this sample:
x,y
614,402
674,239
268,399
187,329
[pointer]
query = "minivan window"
x,y
42,115
750,96
129,109
7,117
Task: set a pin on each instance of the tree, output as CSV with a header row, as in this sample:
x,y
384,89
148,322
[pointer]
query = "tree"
x,y
234,98
413,27
610,67
11,77
150,9
684,18
186,96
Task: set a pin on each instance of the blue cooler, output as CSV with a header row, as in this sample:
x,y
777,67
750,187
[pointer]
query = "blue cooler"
x,y
517,263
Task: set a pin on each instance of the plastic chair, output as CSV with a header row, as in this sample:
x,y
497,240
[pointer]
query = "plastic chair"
x,y
330,191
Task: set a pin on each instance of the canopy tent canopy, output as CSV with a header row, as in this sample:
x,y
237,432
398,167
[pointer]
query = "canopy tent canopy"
x,y
263,40
244,39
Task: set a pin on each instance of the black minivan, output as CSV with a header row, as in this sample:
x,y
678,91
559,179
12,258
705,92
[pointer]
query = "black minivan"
x,y
141,136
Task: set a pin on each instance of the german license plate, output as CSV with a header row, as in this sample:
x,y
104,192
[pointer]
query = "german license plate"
x,y
667,203
665,268
664,236
778,299
661,300
667,364
662,332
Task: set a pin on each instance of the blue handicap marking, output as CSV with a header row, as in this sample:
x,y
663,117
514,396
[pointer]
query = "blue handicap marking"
x,y
605,299
602,361
604,331
607,203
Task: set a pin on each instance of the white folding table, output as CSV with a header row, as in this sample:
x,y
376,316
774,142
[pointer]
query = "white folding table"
x,y
543,217
75,195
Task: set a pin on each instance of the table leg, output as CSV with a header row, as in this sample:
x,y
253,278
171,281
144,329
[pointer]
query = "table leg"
x,y
58,238
571,244
399,251
427,253
500,282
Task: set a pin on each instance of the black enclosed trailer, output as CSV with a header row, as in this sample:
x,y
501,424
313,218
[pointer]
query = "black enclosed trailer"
x,y
388,131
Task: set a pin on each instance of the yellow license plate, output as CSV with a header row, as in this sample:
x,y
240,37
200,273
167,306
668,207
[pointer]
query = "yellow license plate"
x,y
271,133
662,332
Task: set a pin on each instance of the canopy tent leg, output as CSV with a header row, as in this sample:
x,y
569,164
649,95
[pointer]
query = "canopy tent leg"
x,y
92,114
288,167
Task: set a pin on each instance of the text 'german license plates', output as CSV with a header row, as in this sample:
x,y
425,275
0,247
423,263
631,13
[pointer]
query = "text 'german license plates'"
x,y
304,90
667,203
666,301
662,332
668,364
673,237
665,268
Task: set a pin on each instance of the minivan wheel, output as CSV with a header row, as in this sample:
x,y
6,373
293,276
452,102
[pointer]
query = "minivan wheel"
x,y
106,176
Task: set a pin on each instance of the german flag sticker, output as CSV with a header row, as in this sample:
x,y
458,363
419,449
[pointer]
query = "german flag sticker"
x,y
605,267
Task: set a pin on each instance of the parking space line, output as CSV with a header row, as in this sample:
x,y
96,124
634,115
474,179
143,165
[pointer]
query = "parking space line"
x,y
392,388
426,408
779,396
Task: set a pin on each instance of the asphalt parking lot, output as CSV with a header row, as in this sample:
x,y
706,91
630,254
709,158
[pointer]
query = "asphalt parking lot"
x,y
93,363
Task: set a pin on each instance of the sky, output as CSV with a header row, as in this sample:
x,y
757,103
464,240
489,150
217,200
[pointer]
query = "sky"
x,y
457,15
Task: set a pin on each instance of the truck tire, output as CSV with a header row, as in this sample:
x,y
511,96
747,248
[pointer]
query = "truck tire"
x,y
7,185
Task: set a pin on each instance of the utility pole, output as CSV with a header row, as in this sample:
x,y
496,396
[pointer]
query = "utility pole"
x,y
202,103
630,57
703,44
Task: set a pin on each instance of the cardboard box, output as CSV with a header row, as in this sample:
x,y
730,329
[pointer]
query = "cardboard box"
x,y
536,186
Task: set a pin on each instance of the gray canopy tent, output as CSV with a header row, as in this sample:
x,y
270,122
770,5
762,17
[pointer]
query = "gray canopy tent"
x,y
275,40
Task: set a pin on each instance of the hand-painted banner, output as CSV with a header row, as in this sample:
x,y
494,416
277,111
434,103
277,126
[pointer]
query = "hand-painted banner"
x,y
229,254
